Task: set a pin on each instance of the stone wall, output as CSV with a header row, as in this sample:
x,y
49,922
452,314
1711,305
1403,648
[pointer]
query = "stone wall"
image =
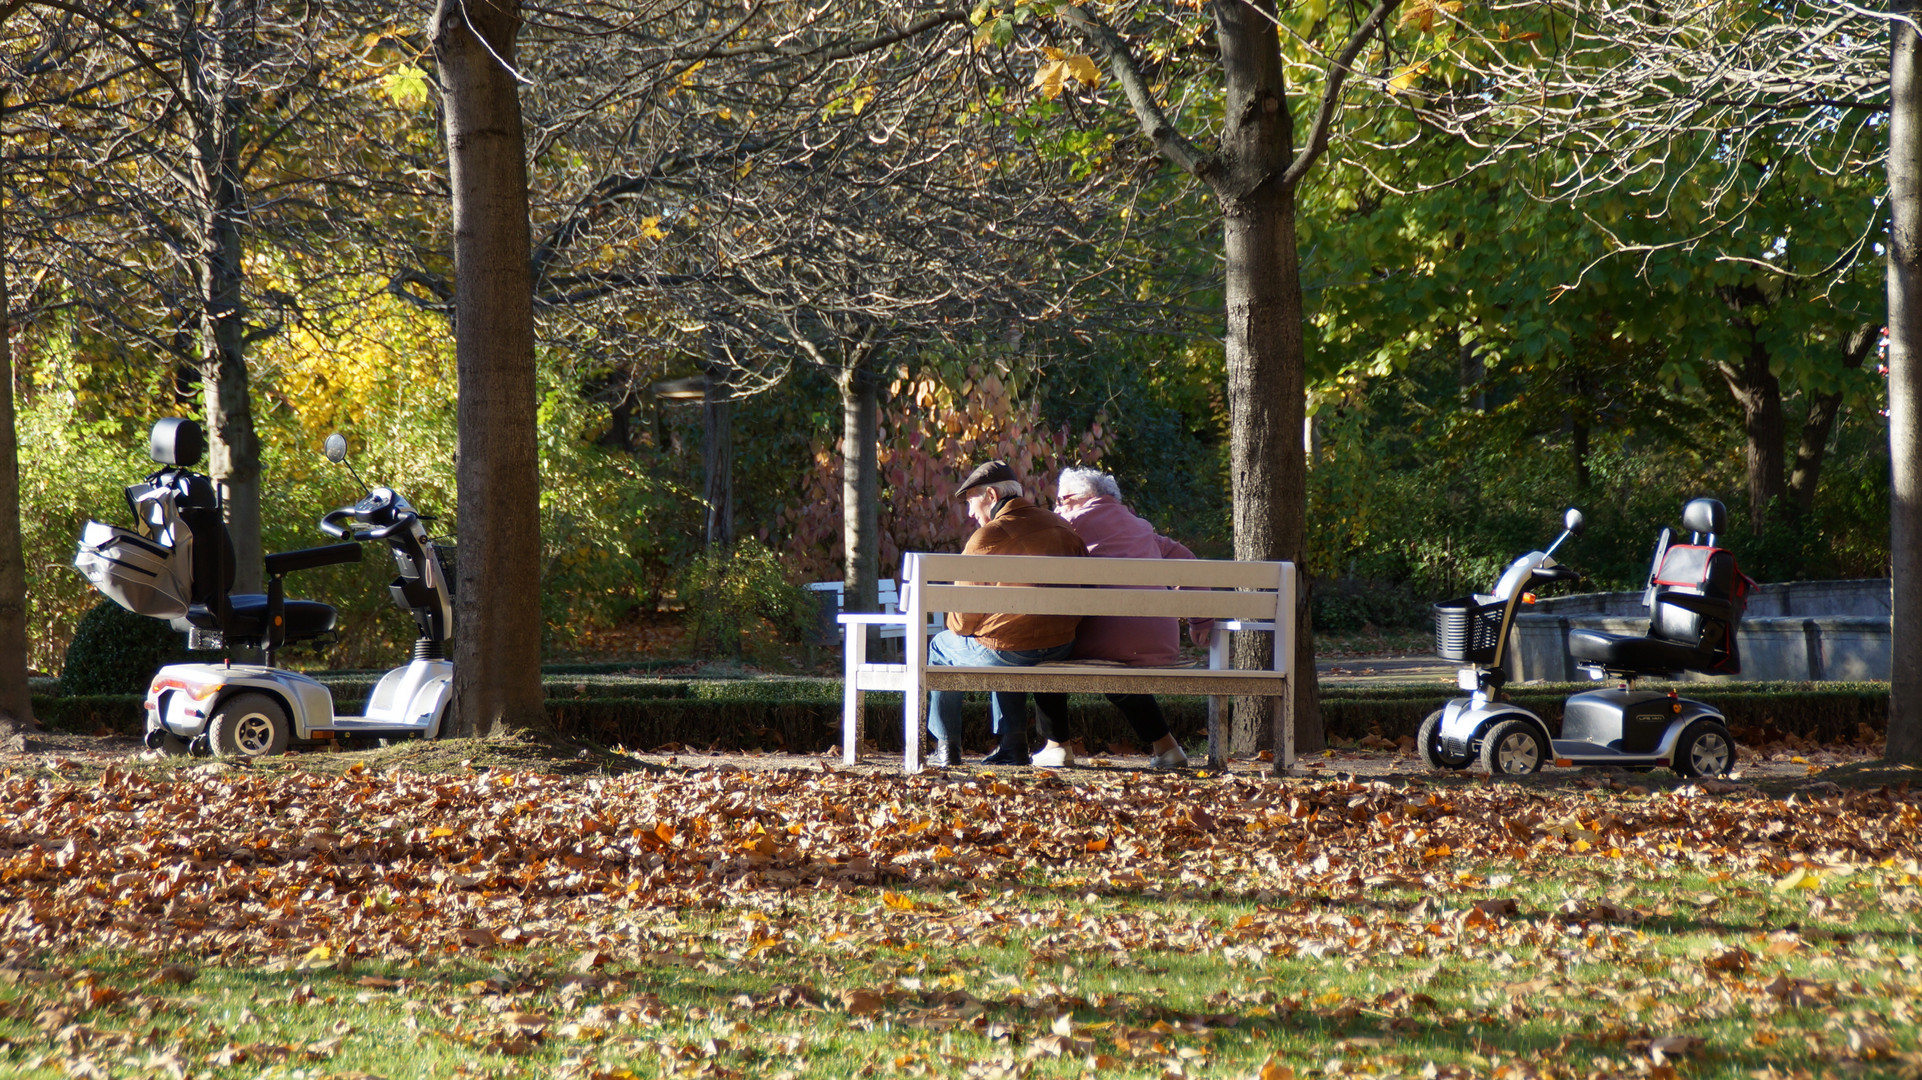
x,y
1796,630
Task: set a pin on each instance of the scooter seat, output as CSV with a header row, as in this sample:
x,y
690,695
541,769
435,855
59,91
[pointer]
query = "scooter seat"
x,y
304,618
1633,653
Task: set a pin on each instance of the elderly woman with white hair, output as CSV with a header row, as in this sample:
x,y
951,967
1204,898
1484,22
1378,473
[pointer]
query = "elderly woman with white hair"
x,y
1090,501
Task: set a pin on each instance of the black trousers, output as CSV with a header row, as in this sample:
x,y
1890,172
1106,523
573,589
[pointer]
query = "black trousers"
x,y
1141,711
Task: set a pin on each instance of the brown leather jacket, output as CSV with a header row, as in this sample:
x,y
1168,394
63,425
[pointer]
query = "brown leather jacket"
x,y
1019,527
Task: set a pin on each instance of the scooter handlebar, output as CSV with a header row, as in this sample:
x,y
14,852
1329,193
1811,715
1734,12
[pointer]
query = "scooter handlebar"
x,y
334,524
401,521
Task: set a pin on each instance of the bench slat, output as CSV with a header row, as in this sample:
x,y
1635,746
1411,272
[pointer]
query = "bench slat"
x,y
1047,600
1025,569
1104,680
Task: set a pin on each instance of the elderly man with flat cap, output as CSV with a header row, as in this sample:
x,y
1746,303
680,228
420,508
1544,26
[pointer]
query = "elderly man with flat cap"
x,y
1010,524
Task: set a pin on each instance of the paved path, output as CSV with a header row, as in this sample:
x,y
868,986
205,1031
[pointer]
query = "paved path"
x,y
1388,671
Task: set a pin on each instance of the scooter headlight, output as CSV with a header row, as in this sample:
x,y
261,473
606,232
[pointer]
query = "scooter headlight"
x,y
1468,679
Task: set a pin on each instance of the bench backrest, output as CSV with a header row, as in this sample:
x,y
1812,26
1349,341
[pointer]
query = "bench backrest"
x,y
886,594
1201,589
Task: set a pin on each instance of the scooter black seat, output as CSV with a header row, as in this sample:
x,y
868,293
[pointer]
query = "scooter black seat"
x,y
1633,653
305,618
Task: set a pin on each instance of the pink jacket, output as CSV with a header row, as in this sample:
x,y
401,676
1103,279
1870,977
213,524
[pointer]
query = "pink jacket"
x,y
1113,531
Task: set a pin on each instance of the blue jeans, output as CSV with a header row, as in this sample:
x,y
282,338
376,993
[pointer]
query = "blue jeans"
x,y
950,649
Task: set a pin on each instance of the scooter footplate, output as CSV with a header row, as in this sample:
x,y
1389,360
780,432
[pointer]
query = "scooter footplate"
x,y
355,726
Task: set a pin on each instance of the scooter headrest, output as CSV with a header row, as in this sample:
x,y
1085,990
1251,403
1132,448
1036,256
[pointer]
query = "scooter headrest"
x,y
177,441
1705,516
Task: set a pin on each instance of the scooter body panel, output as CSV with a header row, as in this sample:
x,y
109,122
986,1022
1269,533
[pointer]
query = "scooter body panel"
x,y
1464,720
408,700
183,697
1626,727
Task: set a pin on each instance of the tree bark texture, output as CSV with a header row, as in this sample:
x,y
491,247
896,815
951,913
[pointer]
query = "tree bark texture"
x,y
1905,384
497,639
16,697
717,457
860,486
1266,379
233,447
1819,424
1759,392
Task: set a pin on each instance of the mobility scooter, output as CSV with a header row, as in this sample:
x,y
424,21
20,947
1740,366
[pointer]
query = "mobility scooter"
x,y
182,569
1695,596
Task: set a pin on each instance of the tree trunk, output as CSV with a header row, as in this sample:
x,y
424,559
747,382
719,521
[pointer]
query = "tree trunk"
x,y
1905,385
497,640
1584,475
233,449
1820,423
1757,390
860,486
16,696
1474,373
717,457
1266,379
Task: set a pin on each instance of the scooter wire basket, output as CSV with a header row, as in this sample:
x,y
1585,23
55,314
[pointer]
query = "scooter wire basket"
x,y
1467,630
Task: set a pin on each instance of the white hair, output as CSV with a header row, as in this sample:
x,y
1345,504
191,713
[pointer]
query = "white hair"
x,y
1092,481
1007,489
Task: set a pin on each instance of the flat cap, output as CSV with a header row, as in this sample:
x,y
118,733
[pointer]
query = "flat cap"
x,y
988,472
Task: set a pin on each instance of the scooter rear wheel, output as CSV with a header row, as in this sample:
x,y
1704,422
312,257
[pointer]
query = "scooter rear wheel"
x,y
1513,748
1705,749
1432,752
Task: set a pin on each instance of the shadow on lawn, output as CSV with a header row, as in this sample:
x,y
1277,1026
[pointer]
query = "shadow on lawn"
x,y
683,1001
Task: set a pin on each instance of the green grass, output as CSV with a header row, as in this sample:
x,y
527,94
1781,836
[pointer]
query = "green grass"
x,y
827,925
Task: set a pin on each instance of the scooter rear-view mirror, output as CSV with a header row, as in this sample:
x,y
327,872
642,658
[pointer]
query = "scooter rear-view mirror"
x,y
1572,521
336,450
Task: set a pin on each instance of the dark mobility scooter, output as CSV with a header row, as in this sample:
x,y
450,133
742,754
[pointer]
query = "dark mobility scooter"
x,y
181,568
1695,598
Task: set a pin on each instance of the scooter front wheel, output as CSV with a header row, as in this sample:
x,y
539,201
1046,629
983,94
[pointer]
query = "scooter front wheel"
x,y
1432,751
250,725
1513,748
1705,749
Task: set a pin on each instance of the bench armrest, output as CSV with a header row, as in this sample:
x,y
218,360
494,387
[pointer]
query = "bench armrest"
x,y
873,618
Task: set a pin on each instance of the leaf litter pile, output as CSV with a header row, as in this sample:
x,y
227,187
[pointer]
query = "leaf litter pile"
x,y
215,921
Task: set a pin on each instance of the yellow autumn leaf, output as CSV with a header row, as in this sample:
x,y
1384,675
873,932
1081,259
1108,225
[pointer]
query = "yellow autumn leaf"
x,y
651,228
1406,78
1802,878
1083,69
898,902
1048,79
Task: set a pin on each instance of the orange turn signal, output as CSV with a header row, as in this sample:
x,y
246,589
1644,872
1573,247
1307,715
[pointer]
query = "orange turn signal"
x,y
1528,598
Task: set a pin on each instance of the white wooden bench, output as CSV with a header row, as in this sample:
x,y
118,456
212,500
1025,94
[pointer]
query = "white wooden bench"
x,y
1237,595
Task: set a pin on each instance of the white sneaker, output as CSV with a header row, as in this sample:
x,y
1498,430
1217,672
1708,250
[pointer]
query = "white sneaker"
x,y
1173,758
1054,757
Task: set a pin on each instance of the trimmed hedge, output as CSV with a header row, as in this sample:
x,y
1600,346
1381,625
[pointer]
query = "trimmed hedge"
x,y
804,715
114,651
1757,712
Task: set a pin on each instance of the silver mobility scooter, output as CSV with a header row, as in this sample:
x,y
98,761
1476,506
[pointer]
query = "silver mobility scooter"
x,y
1695,597
181,568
